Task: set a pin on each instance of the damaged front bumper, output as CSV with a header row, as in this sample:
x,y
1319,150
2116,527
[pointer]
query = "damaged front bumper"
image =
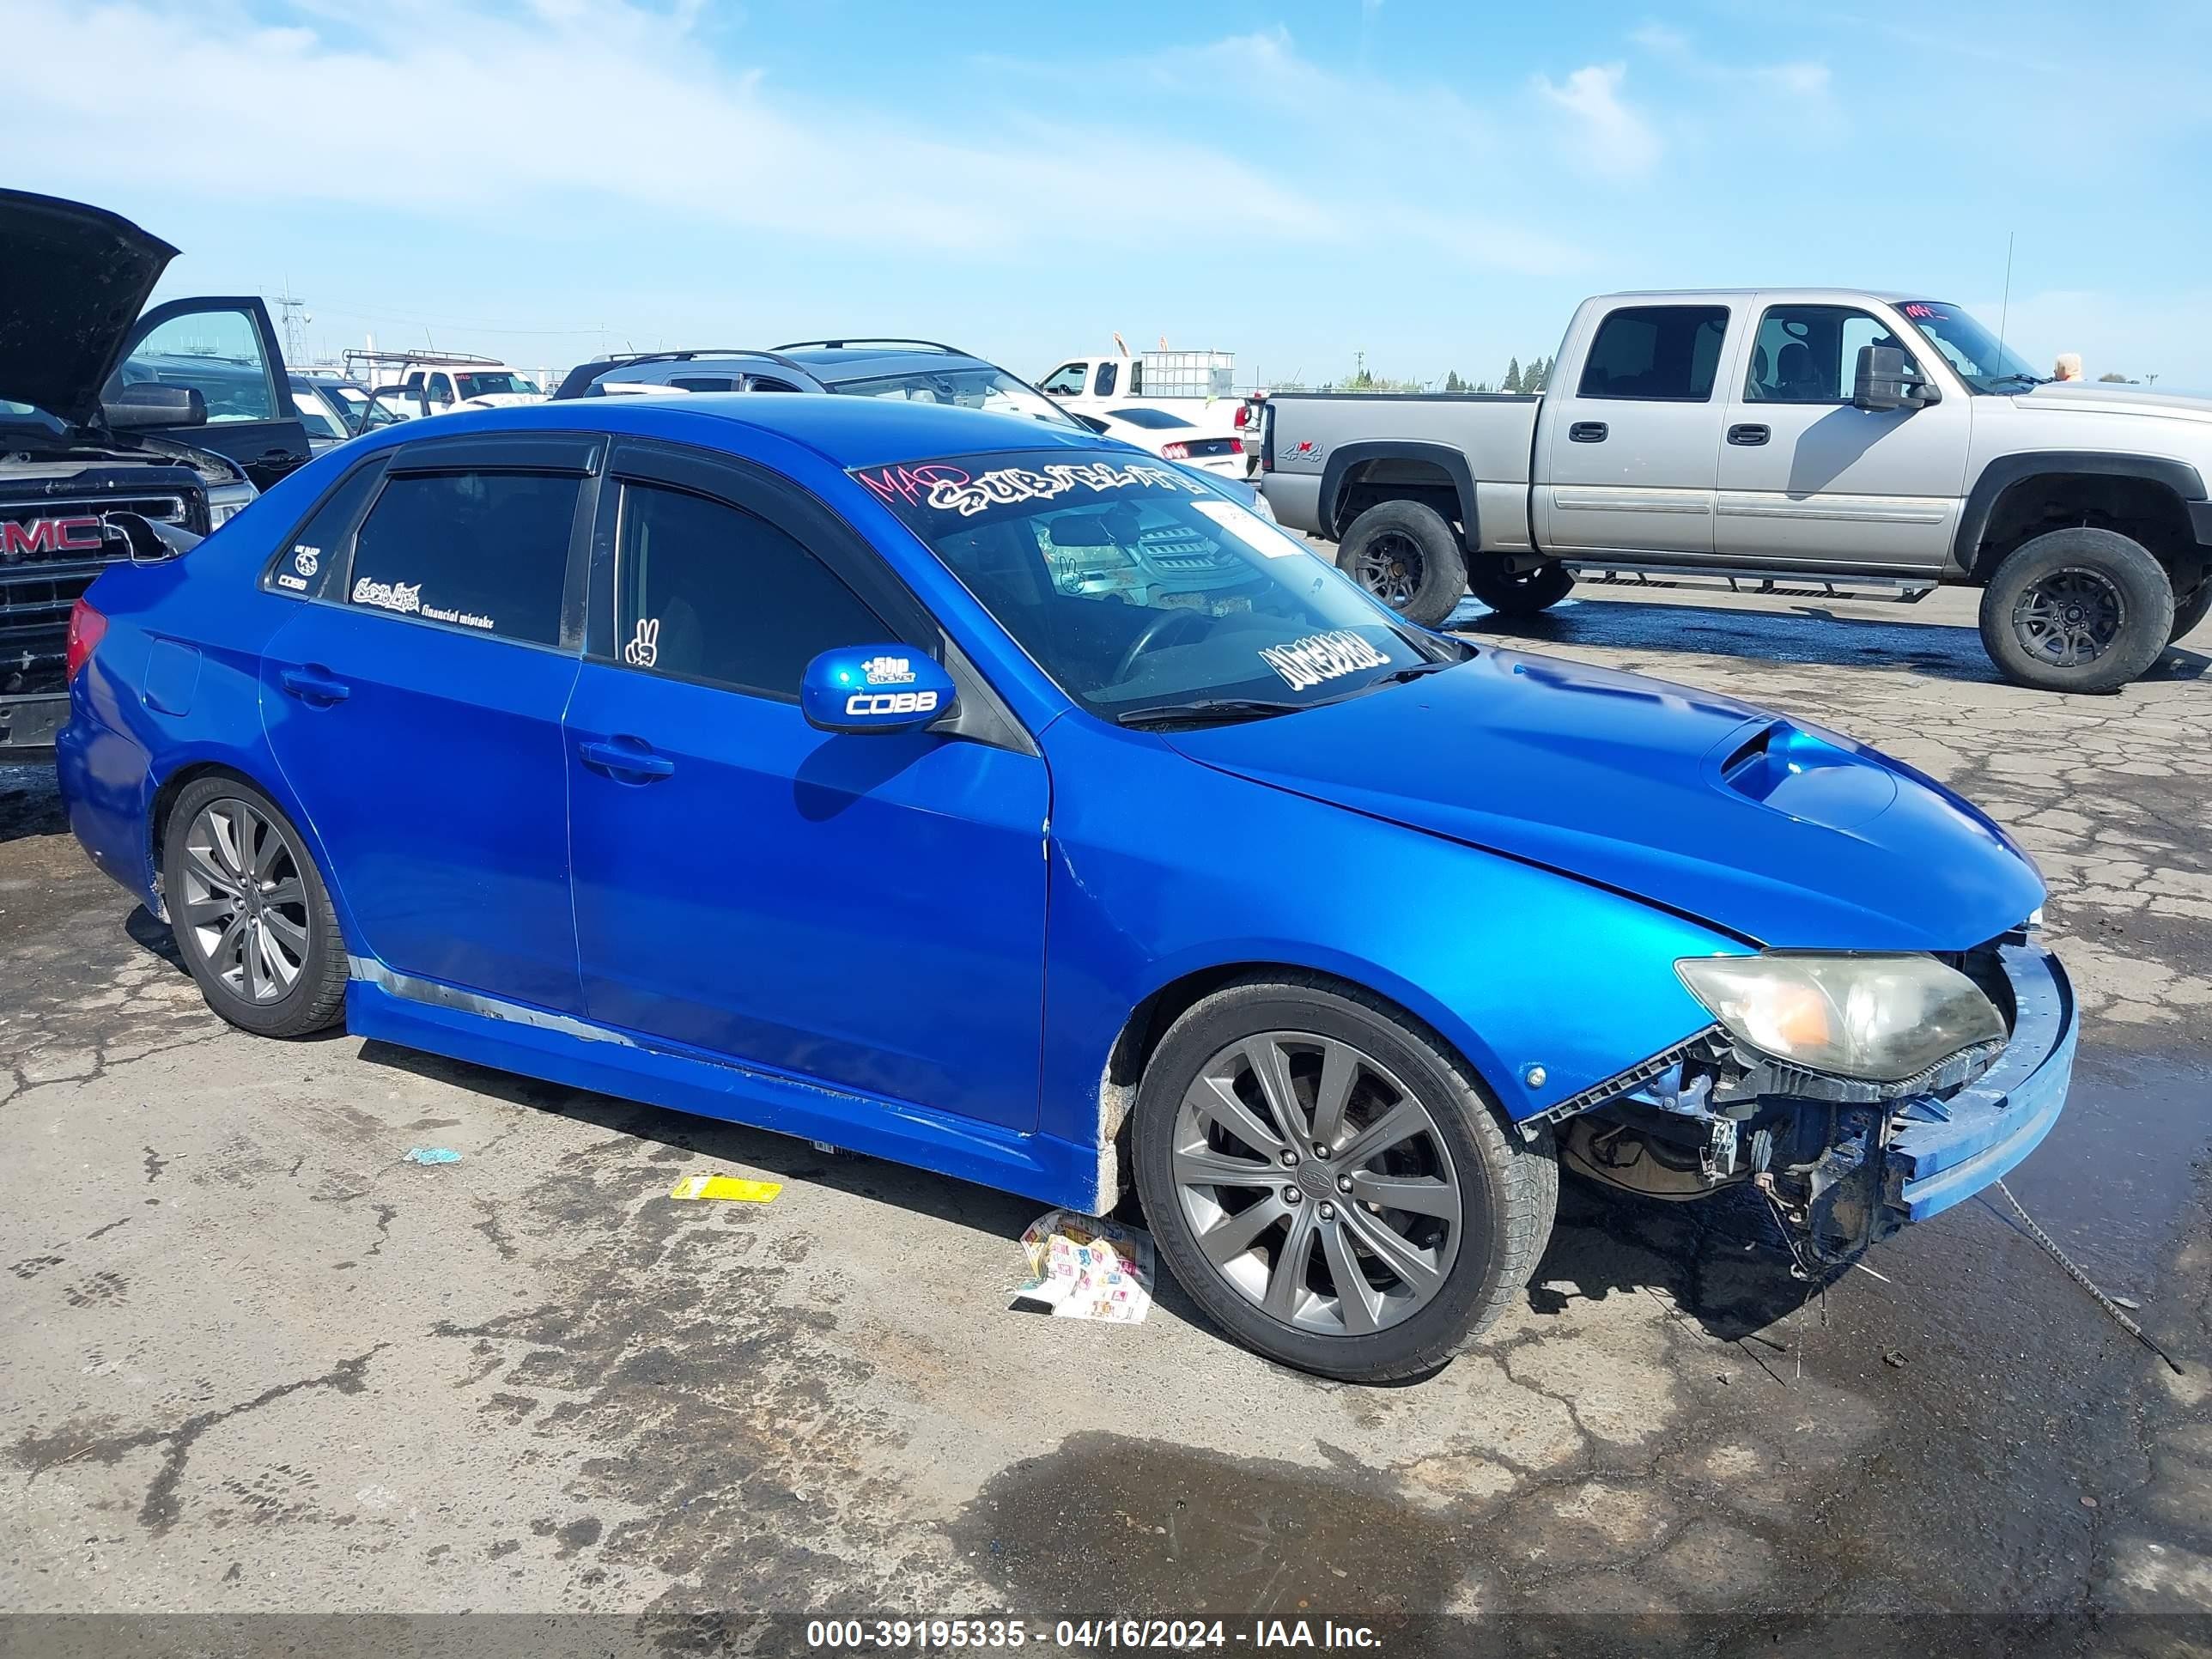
x,y
1845,1164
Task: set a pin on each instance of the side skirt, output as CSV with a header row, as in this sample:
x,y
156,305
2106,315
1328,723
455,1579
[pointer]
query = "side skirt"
x,y
441,1020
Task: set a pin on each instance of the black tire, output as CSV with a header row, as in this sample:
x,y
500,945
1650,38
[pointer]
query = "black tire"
x,y
1507,1188
315,997
2187,612
1524,595
1408,556
2077,610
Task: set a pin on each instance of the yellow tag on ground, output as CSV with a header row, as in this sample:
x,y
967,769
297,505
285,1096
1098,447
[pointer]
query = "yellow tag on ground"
x,y
730,1187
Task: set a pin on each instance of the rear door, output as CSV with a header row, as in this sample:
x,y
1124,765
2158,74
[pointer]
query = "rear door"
x,y
414,703
224,348
1631,461
1805,478
864,911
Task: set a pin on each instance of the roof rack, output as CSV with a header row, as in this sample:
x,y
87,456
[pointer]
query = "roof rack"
x,y
427,359
627,359
873,340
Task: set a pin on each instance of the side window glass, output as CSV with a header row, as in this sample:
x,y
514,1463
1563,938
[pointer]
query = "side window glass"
x,y
1666,354
1103,384
441,389
706,591
1066,381
215,353
318,421
484,550
704,383
1810,353
311,564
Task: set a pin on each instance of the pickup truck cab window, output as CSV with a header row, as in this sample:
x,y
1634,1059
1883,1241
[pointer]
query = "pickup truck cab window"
x,y
1065,381
1106,379
486,551
707,591
1659,353
441,389
1810,353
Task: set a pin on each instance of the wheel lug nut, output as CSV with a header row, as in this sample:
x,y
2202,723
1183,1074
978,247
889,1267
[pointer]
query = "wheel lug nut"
x,y
1290,1157
1291,1194
1329,1212
1344,1184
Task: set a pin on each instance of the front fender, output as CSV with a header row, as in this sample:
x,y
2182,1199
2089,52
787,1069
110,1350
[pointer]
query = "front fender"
x,y
1161,868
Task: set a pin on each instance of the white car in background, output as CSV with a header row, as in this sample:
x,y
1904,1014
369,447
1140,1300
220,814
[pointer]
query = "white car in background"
x,y
1170,437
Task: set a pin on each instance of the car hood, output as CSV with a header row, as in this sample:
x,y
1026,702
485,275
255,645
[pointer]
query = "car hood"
x,y
1782,833
77,278
2075,397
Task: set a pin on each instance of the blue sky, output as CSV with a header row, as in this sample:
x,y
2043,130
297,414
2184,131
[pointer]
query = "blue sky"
x,y
1431,184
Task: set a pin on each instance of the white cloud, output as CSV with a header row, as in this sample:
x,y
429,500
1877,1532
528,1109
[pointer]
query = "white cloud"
x,y
1604,134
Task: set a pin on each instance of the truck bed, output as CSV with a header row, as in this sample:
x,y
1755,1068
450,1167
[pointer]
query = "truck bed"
x,y
1318,439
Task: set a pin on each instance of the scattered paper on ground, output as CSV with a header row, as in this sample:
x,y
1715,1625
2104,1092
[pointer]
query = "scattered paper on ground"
x,y
433,1155
727,1187
1081,1268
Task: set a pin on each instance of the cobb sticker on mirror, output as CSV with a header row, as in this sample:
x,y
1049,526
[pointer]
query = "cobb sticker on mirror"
x,y
403,597
644,647
952,490
888,671
1321,657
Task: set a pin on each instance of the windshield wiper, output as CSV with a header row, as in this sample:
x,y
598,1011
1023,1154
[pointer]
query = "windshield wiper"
x,y
1398,676
1207,711
2032,379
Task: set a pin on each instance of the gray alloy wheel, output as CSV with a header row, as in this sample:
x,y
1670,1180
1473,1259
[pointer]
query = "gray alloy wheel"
x,y
2070,617
2080,609
1316,1183
1388,566
241,893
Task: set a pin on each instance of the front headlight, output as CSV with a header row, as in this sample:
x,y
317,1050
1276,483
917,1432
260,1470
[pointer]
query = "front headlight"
x,y
1877,1018
226,501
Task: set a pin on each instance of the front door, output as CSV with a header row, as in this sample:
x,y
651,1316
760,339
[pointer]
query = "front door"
x,y
1805,478
1629,468
226,350
416,713
863,911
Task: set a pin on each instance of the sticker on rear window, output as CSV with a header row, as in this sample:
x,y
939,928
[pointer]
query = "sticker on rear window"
x,y
947,489
406,598
1321,657
1250,529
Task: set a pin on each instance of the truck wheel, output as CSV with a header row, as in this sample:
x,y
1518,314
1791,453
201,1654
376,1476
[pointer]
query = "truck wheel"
x,y
1522,595
2187,612
2077,610
1408,556
1331,1184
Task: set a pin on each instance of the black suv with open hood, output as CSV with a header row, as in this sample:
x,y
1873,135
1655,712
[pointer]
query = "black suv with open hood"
x,y
176,415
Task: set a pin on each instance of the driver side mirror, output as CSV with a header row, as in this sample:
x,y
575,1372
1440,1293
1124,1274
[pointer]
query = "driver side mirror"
x,y
1886,381
134,408
862,689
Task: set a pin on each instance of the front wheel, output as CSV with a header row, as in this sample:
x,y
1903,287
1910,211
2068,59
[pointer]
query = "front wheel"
x,y
251,918
2077,610
2187,612
1407,555
1521,595
1331,1184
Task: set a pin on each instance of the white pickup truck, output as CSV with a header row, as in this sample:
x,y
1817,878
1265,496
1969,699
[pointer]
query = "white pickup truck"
x,y
1785,434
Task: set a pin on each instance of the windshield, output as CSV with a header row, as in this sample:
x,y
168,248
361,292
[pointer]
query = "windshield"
x,y
1977,356
982,387
496,384
314,413
1142,591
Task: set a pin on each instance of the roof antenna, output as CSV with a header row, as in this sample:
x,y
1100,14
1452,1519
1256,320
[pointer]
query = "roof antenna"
x,y
2004,312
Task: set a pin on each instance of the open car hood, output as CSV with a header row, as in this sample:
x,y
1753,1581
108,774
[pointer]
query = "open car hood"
x,y
1784,834
77,278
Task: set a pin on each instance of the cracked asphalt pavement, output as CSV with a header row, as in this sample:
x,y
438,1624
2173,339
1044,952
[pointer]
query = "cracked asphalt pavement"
x,y
252,1361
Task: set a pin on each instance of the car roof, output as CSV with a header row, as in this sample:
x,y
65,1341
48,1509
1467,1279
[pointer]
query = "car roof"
x,y
1783,295
847,432
837,364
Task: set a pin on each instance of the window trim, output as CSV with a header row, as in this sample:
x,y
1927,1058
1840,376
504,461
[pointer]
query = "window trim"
x,y
1744,397
1728,322
341,559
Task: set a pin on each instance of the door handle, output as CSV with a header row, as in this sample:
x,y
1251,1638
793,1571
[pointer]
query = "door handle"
x,y
1587,432
313,683
628,759
1749,435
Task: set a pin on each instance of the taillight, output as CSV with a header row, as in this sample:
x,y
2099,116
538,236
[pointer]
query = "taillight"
x,y
1243,416
86,629
1176,452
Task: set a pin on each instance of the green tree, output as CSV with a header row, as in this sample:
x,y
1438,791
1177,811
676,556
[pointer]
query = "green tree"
x,y
1452,382
1513,375
2120,379
1539,375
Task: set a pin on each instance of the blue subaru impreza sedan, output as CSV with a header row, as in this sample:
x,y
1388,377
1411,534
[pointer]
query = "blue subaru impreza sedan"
x,y
1002,801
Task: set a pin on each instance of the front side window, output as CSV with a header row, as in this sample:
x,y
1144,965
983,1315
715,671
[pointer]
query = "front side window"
x,y
481,551
704,382
984,387
315,415
1144,592
441,389
1664,353
217,353
1810,353
1983,361
1065,381
706,591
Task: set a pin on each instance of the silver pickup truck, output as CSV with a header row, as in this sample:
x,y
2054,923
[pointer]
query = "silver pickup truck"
x,y
1783,434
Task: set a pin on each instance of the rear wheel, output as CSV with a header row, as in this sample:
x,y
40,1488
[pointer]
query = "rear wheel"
x,y
1519,595
1407,555
252,920
2077,610
1331,1184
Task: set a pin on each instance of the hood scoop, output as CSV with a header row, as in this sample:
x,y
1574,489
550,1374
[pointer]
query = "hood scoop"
x,y
1794,772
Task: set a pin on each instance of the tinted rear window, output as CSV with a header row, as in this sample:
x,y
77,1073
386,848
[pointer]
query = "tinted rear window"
x,y
482,550
1662,352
